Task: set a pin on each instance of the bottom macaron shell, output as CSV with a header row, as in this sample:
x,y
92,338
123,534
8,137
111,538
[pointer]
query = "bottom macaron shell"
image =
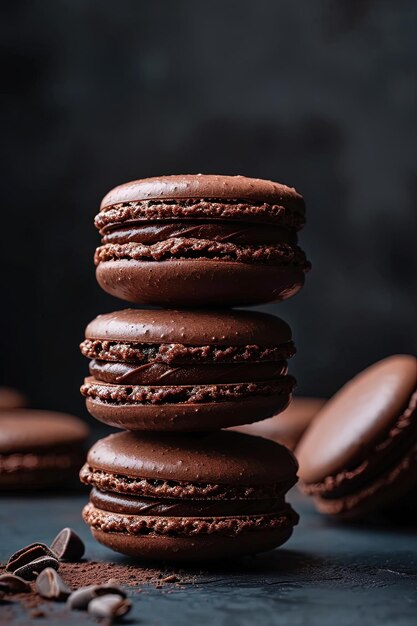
x,y
187,417
209,548
201,548
193,282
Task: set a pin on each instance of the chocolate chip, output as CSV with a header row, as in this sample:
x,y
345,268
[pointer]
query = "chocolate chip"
x,y
49,584
110,587
26,555
68,546
172,578
80,599
31,570
10,583
111,605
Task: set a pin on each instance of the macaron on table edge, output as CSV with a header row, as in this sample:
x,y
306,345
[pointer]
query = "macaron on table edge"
x,y
173,485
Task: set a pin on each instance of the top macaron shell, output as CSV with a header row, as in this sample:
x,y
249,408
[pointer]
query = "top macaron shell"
x,y
39,449
25,431
193,328
201,240
186,370
205,186
224,457
359,453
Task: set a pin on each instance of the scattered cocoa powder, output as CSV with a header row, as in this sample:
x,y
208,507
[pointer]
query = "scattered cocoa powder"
x,y
97,572
85,573
82,574
31,602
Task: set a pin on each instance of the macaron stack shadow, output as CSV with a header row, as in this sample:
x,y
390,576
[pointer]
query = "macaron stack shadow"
x,y
40,449
175,486
359,455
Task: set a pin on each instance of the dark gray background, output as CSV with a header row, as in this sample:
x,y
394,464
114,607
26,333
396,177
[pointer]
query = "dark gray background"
x,y
320,95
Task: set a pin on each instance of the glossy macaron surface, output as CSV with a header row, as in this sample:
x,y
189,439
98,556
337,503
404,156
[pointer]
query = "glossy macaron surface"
x,y
222,457
195,328
190,186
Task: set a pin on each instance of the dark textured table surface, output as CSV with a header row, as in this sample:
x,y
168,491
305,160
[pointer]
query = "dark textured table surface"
x,y
326,574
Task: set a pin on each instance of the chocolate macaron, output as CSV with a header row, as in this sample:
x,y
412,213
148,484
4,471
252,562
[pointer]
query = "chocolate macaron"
x,y
186,370
289,426
189,496
201,240
359,454
39,449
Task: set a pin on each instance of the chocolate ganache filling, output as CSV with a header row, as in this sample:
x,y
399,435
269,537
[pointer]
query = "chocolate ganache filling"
x,y
222,231
133,505
162,374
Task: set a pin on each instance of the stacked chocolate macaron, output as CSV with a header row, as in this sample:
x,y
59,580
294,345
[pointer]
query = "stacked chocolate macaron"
x,y
186,370
174,485
205,496
199,241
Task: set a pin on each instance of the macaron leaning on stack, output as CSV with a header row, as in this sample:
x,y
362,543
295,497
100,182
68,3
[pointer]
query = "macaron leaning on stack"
x,y
192,241
358,457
